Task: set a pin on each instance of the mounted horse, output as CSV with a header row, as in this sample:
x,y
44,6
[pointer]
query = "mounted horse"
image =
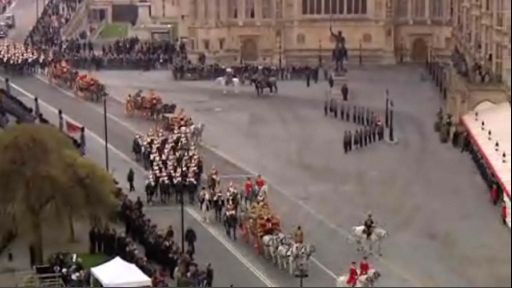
x,y
365,243
367,280
228,80
262,82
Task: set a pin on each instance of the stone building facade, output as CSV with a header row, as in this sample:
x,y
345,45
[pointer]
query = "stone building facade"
x,y
481,30
297,31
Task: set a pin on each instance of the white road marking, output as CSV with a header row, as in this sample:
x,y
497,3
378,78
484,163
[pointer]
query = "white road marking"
x,y
192,213
301,203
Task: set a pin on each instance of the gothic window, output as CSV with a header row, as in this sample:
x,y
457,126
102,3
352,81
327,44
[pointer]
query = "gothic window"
x,y
419,8
279,9
233,8
304,7
436,8
318,7
206,44
249,9
327,7
350,7
311,7
363,6
402,8
206,10
217,9
341,7
356,6
266,9
193,7
301,39
334,7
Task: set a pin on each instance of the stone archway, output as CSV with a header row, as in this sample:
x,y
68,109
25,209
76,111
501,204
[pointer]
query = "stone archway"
x,y
419,51
249,50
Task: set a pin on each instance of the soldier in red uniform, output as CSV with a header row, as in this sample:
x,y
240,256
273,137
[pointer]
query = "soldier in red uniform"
x,y
352,275
364,267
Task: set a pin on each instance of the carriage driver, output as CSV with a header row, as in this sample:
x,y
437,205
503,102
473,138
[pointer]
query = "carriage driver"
x,y
369,225
298,235
229,76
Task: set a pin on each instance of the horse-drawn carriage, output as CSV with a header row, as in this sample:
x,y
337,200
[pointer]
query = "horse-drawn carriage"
x,y
146,105
62,74
258,222
89,88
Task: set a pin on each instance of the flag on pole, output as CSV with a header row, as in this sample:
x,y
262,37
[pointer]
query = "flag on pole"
x,y
72,128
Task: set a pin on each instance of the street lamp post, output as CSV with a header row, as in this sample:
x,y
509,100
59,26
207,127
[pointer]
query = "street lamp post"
x,y
360,53
182,212
320,53
106,131
391,124
301,273
387,109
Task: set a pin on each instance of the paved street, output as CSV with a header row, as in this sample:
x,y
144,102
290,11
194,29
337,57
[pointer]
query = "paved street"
x,y
430,198
431,222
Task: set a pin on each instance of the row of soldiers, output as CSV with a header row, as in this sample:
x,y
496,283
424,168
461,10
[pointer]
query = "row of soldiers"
x,y
362,137
17,58
357,114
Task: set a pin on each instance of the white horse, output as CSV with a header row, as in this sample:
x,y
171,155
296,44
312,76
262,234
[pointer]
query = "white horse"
x,y
360,238
271,245
299,257
223,81
284,254
367,280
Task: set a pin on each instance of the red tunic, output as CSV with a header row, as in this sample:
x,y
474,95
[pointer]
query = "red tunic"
x,y
248,188
364,267
260,183
494,195
352,276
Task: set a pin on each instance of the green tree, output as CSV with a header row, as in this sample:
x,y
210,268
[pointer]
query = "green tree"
x,y
43,178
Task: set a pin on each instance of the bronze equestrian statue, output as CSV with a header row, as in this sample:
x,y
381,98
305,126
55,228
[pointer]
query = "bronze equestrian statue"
x,y
339,53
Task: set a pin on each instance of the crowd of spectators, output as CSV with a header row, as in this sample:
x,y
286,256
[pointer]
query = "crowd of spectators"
x,y
178,263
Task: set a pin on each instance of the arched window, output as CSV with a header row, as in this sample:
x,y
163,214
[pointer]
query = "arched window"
x,y
233,8
249,9
419,8
266,9
402,8
436,8
301,39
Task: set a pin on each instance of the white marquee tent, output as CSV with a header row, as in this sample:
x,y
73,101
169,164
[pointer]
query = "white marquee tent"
x,y
119,273
494,147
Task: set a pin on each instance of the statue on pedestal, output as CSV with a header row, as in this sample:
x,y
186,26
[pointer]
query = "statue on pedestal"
x,y
339,53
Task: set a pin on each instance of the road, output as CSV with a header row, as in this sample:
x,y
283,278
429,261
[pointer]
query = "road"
x,y
427,195
432,201
434,241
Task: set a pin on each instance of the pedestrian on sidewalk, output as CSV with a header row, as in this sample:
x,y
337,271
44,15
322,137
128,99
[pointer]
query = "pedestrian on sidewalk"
x,y
191,237
209,275
131,178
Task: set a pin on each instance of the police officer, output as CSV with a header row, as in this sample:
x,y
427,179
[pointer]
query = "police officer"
x,y
350,139
361,137
354,115
342,111
345,142
356,139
